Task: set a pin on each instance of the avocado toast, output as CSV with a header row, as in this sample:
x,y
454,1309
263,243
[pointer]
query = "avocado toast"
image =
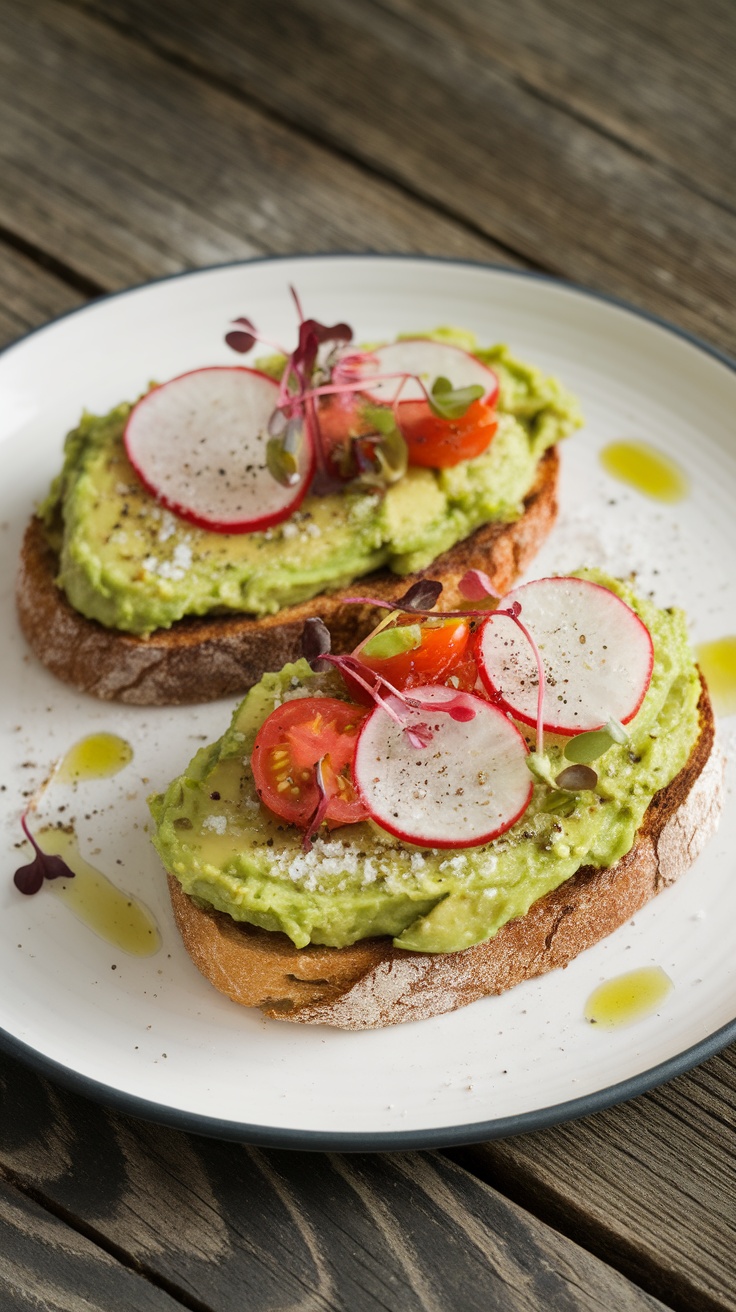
x,y
127,599
357,927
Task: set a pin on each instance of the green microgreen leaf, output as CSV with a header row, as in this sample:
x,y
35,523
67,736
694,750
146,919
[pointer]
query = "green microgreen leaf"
x,y
378,417
587,747
283,465
448,402
393,642
392,456
559,802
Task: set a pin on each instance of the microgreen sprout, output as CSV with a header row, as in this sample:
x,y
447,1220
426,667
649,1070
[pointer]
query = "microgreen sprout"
x,y
475,585
616,731
28,879
587,747
373,457
324,800
575,778
448,402
316,642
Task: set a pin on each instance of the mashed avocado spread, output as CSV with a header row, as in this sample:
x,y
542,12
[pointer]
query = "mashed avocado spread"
x,y
227,850
130,564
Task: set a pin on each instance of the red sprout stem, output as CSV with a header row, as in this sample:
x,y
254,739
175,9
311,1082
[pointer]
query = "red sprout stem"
x,y
26,830
353,667
540,675
297,302
319,814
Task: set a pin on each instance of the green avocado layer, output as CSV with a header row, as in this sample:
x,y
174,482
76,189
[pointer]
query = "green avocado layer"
x,y
133,566
226,849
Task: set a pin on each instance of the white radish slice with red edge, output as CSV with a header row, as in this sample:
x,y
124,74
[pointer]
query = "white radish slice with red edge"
x,y
429,361
467,786
198,444
596,653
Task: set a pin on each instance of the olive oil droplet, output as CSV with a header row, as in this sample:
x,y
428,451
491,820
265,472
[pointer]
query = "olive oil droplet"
x,y
97,757
717,660
646,469
94,899
628,998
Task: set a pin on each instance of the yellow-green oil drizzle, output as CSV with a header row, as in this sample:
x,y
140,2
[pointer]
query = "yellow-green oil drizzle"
x,y
717,660
628,998
95,900
645,468
97,757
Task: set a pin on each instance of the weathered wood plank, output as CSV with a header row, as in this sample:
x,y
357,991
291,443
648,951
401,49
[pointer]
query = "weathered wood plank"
x,y
649,1186
296,1231
658,76
439,116
125,168
46,1264
29,295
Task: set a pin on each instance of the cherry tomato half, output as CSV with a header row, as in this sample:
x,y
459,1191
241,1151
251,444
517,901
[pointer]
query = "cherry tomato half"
x,y
441,651
288,746
440,443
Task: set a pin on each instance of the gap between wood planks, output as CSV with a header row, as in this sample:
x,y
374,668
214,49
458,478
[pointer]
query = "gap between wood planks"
x,y
545,96
225,85
64,272
126,1260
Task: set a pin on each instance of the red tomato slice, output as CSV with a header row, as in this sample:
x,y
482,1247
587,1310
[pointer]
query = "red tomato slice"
x,y
442,650
440,443
287,748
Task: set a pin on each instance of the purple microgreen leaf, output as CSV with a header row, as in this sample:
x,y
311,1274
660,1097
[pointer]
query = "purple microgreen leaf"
x,y
316,642
421,596
476,586
29,878
576,778
240,342
419,735
243,338
339,332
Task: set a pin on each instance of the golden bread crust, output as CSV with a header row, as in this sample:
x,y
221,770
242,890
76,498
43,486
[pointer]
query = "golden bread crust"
x,y
199,660
372,983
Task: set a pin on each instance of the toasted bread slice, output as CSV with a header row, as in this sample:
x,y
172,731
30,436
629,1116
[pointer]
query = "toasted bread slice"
x,y
372,983
199,660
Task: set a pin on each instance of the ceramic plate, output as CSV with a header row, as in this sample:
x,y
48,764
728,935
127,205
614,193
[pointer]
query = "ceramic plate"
x,y
148,1033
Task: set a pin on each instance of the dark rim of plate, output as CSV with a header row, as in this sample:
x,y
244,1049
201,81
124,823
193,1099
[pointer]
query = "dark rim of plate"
x,y
388,1140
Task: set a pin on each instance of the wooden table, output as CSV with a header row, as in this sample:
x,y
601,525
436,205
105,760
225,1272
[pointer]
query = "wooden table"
x,y
587,139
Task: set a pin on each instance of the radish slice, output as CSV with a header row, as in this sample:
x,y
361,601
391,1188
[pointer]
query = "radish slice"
x,y
597,656
198,444
430,361
469,784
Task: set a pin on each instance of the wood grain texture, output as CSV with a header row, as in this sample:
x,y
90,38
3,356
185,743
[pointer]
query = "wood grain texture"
x,y
649,1186
437,114
29,295
658,76
125,168
46,1264
296,1231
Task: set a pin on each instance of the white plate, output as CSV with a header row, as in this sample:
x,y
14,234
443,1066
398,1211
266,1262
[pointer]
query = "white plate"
x,y
151,1036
